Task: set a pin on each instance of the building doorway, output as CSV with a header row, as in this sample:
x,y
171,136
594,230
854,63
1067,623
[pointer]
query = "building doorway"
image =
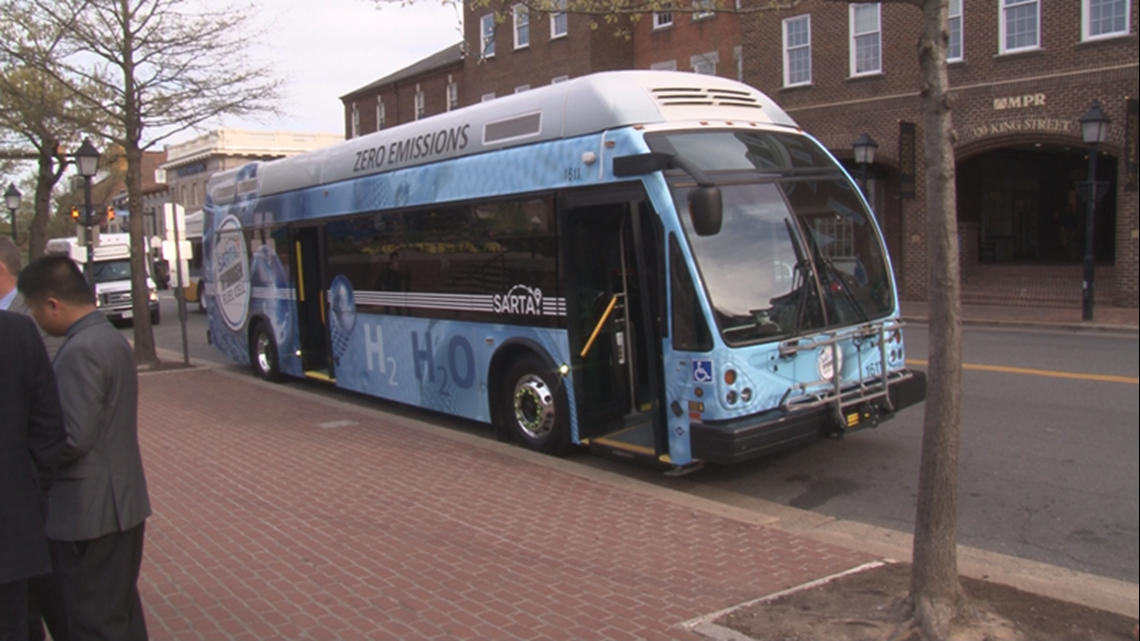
x,y
1024,205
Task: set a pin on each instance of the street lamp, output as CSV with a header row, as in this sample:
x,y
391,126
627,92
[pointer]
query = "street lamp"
x,y
87,157
12,199
1094,130
864,147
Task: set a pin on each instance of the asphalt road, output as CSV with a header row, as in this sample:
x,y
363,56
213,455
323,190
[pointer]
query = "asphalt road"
x,y
1049,467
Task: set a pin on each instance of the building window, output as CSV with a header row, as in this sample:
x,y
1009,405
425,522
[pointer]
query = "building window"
x,y
355,126
559,21
738,56
452,94
866,45
705,63
487,97
522,26
487,27
420,108
954,52
557,79
662,19
668,65
1020,25
380,114
703,9
1104,18
797,51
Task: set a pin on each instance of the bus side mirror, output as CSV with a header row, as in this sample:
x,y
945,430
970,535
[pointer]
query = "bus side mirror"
x,y
706,210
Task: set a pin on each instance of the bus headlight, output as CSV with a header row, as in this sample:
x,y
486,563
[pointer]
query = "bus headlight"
x,y
154,296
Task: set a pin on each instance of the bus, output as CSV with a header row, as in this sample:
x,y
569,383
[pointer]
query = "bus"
x,y
657,266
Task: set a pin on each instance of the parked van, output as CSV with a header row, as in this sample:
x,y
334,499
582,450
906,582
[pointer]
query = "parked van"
x,y
112,271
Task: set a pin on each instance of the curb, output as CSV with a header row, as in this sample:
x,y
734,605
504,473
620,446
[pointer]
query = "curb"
x,y
1027,324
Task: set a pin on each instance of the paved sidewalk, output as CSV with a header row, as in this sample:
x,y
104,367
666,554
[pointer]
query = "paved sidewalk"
x,y
1104,318
279,514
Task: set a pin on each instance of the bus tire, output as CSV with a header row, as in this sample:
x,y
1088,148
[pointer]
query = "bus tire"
x,y
535,406
201,292
263,356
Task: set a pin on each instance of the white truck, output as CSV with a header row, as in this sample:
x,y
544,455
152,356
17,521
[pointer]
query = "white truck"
x,y
112,269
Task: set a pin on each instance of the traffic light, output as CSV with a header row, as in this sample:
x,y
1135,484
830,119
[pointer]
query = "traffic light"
x,y
110,213
74,212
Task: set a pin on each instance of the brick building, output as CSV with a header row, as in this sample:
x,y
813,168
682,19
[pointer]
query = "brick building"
x,y
1023,71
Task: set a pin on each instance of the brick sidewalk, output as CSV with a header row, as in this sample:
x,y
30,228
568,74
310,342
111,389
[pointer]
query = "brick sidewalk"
x,y
277,516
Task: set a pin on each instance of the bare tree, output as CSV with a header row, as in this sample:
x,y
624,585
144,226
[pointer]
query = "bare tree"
x,y
159,68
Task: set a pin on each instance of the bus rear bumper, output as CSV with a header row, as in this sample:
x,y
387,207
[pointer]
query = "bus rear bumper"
x,y
736,441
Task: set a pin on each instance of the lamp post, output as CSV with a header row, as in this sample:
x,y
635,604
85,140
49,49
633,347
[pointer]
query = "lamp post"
x,y
12,199
864,147
1094,130
87,157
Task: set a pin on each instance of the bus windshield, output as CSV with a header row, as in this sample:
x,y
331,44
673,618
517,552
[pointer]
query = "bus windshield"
x,y
797,251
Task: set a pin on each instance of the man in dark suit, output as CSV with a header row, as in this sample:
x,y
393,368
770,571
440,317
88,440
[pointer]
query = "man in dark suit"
x,y
31,441
98,505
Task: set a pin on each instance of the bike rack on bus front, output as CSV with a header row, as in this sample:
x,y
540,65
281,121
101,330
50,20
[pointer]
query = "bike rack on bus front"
x,y
833,392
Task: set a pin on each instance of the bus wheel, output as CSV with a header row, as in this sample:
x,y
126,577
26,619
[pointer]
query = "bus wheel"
x,y
263,354
535,406
201,297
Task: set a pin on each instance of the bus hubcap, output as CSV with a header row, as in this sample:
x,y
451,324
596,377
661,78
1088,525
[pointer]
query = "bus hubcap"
x,y
534,406
263,352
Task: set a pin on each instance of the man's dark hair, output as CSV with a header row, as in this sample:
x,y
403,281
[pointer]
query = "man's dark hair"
x,y
55,277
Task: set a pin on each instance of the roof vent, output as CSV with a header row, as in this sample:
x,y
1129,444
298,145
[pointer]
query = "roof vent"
x,y
705,97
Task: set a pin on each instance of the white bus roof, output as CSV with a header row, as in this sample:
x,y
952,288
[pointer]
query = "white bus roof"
x,y
586,105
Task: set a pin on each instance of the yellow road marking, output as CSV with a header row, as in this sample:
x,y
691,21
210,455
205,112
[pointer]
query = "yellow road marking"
x,y
1100,378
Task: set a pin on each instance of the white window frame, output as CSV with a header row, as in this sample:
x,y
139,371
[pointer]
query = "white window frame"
x,y
1004,7
702,59
788,82
555,30
420,103
522,88
668,65
354,125
520,15
1086,22
381,114
707,5
557,79
452,93
662,19
487,35
955,18
487,97
853,56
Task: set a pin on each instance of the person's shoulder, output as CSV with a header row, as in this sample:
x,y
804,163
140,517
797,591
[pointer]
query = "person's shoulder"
x,y
13,321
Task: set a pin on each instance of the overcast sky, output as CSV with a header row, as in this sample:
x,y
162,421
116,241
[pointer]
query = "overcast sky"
x,y
326,49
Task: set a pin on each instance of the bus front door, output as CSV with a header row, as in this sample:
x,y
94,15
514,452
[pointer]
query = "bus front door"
x,y
612,299
311,304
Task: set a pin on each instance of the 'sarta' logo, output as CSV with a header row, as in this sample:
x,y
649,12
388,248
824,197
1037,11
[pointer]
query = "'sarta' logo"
x,y
519,300
231,269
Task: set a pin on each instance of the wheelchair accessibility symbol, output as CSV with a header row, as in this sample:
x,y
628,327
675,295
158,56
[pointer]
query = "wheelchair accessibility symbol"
x,y
702,371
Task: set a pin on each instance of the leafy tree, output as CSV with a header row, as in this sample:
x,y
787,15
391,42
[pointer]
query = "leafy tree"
x,y
41,117
158,68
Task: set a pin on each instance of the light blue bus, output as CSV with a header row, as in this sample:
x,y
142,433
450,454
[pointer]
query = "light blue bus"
x,y
658,266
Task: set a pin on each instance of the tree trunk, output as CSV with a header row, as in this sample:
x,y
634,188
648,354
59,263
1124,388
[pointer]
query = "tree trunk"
x,y
935,589
46,178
